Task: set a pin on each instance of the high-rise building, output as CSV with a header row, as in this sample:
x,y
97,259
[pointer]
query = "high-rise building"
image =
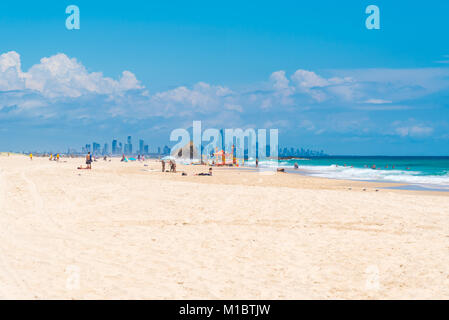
x,y
105,149
222,134
114,146
96,148
166,150
141,146
146,149
129,146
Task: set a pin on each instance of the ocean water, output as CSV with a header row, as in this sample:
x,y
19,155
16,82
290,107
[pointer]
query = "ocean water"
x,y
427,172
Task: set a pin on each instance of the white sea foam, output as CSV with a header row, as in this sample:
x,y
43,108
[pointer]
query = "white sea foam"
x,y
413,177
348,173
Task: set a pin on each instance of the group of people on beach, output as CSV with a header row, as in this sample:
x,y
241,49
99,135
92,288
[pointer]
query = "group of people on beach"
x,y
171,163
53,157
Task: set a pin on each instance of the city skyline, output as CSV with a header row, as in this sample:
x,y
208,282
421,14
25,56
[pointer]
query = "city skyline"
x,y
117,148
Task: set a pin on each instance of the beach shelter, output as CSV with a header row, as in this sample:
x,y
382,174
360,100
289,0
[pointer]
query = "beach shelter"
x,y
220,155
188,152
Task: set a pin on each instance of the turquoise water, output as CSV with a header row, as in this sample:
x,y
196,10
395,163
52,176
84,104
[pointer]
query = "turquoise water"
x,y
424,171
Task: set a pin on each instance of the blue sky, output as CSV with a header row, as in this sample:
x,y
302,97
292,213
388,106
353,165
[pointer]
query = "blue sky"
x,y
144,68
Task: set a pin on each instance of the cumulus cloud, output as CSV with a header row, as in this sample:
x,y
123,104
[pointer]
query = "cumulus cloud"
x,y
280,81
60,76
310,84
308,79
201,98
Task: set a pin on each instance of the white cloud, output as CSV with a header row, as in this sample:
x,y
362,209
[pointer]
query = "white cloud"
x,y
280,81
414,131
11,76
60,76
201,98
377,101
234,107
308,79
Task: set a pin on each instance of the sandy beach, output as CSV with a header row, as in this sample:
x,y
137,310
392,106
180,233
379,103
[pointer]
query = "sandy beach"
x,y
129,231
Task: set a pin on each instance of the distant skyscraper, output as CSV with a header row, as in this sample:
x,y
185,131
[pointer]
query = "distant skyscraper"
x,y
96,148
114,146
158,150
105,149
129,146
141,146
146,149
222,140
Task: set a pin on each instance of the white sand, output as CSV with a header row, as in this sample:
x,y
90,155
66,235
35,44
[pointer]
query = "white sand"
x,y
120,231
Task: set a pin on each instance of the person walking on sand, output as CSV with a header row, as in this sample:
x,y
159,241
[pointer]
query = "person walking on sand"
x,y
31,156
163,165
89,161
